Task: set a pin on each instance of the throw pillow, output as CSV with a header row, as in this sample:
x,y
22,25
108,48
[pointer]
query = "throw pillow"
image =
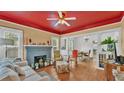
x,y
19,70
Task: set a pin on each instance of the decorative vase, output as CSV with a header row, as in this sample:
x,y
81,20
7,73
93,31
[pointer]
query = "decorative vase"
x,y
48,42
30,41
36,65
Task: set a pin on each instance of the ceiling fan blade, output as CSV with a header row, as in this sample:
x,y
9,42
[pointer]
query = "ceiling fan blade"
x,y
52,18
70,18
66,23
60,14
57,23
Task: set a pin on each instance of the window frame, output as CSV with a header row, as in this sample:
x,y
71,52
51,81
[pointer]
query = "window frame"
x,y
20,38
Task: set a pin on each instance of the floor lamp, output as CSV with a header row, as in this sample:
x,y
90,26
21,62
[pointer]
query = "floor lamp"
x,y
6,42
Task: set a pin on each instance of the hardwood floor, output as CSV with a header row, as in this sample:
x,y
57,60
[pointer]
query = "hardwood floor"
x,y
83,71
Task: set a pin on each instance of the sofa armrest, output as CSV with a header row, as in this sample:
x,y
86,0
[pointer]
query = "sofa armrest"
x,y
23,63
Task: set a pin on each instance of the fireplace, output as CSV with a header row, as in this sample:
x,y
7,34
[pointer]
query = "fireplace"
x,y
35,53
41,61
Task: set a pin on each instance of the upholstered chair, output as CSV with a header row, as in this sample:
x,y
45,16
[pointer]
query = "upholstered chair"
x,y
57,56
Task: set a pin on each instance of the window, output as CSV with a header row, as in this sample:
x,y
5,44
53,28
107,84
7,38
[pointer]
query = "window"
x,y
71,44
12,36
63,44
14,50
55,43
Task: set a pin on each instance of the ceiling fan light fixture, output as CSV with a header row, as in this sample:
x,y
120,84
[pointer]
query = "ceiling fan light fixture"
x,y
61,19
62,22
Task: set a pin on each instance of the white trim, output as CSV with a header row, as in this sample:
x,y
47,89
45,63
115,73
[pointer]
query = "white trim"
x,y
37,45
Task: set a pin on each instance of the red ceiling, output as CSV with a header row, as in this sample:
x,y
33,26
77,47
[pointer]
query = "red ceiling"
x,y
85,19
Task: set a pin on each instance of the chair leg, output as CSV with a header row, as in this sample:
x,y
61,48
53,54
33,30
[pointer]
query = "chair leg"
x,y
54,64
76,60
69,67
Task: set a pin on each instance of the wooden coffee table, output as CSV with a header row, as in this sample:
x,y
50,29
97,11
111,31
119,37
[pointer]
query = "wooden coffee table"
x,y
62,67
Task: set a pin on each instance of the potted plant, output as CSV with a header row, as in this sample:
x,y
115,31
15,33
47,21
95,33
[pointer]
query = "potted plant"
x,y
110,43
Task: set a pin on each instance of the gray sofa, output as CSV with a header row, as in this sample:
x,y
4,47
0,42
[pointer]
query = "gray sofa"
x,y
21,71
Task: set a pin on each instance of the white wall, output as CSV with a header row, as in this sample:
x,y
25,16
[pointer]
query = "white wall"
x,y
81,44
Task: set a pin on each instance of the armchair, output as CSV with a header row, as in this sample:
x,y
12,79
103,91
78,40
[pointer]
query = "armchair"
x,y
57,56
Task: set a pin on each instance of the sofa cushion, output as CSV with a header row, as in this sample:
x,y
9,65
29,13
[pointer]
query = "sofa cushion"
x,y
28,72
25,73
31,75
6,74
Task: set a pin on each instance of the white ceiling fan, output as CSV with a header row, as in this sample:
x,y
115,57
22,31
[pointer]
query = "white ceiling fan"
x,y
61,19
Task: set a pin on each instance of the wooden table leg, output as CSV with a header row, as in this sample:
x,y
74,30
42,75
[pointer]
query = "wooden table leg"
x,y
76,60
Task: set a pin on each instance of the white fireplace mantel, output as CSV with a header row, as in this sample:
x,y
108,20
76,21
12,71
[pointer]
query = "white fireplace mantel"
x,y
37,45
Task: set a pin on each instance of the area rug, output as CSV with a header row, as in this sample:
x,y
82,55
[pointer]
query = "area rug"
x,y
50,78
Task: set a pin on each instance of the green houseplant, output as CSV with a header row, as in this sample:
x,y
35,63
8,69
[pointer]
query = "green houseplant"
x,y
110,43
108,40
